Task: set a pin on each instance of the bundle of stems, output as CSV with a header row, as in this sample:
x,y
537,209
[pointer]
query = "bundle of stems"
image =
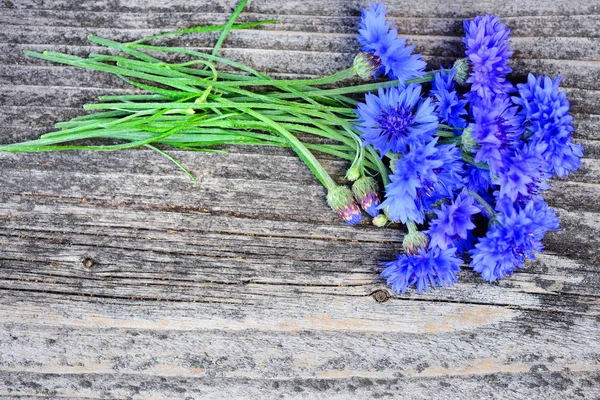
x,y
193,105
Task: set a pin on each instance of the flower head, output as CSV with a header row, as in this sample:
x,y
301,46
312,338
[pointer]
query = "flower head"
x,y
516,235
415,175
396,118
341,201
433,267
496,128
488,51
545,112
377,37
522,173
421,177
453,221
449,106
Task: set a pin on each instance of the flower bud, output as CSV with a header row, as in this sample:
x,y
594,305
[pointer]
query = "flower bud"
x,y
466,140
341,201
461,71
414,241
366,191
380,221
353,173
365,65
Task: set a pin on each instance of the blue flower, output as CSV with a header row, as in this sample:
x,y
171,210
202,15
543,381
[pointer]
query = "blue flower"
x,y
545,111
415,175
477,179
396,118
449,106
496,128
378,38
522,173
433,267
453,221
516,235
449,175
486,39
422,176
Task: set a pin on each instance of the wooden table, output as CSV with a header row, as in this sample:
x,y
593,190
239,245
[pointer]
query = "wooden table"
x,y
121,278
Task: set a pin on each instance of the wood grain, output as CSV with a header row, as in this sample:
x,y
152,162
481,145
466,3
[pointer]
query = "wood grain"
x,y
121,278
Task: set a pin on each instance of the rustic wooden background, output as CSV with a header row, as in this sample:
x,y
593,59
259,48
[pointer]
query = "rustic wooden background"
x,y
121,278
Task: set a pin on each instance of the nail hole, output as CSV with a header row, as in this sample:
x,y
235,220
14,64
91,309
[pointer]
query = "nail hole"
x,y
88,262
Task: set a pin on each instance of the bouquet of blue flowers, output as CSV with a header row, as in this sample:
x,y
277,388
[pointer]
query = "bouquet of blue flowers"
x,y
463,155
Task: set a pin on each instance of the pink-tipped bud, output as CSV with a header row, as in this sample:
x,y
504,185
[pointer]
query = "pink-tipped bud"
x,y
461,68
414,241
365,65
366,191
341,201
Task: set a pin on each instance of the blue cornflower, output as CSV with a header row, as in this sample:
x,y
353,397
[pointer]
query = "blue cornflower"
x,y
477,179
545,111
449,106
449,175
414,175
435,267
496,128
522,175
453,221
396,118
516,235
421,177
379,39
488,50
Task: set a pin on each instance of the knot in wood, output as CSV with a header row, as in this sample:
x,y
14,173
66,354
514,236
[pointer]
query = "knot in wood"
x,y
88,262
381,296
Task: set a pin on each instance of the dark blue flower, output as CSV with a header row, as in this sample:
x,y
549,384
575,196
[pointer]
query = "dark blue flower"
x,y
435,267
453,221
522,175
477,179
486,39
379,39
545,111
496,128
449,106
449,175
516,235
421,177
396,118
414,175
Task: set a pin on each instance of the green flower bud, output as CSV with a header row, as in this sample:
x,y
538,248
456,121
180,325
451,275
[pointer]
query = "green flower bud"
x,y
380,221
353,173
365,65
414,241
466,140
461,68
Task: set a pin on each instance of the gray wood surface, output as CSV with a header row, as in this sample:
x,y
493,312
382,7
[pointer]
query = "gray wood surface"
x,y
121,278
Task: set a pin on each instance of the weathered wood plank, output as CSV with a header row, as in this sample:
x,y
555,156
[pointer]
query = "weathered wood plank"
x,y
263,290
